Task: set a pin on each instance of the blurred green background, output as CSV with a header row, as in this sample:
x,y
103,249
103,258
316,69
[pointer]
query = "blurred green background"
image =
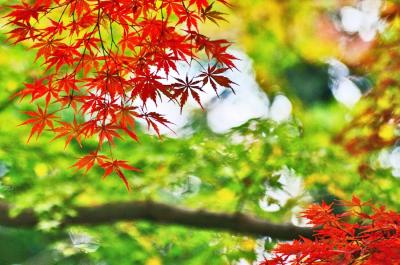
x,y
245,169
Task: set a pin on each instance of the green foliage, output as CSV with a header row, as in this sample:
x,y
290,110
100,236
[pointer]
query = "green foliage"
x,y
218,172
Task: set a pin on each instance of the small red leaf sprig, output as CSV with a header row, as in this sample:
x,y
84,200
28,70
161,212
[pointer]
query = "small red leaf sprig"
x,y
364,234
104,60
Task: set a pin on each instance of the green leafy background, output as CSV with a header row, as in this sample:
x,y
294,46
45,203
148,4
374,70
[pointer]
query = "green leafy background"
x,y
288,57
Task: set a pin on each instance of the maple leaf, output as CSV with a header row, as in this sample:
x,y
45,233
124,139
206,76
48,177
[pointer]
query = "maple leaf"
x,y
43,3
46,47
22,32
108,132
212,15
70,131
103,56
39,120
85,21
79,7
89,160
190,17
62,55
69,101
32,89
39,89
67,83
183,87
372,239
174,6
214,77
199,3
111,80
24,12
126,116
117,166
148,86
152,118
90,128
218,49
88,42
55,28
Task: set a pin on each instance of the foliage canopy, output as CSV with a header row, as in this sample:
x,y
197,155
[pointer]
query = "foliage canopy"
x,y
107,70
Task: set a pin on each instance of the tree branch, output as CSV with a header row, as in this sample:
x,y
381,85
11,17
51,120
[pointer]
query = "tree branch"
x,y
9,100
5,104
164,214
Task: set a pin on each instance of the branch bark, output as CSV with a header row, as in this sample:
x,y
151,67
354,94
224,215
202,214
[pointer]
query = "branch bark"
x,y
163,214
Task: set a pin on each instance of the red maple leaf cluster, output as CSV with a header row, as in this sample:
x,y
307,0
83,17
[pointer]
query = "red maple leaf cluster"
x,y
364,234
105,59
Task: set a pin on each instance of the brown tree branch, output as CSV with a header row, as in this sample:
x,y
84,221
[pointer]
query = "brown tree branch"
x,y
163,214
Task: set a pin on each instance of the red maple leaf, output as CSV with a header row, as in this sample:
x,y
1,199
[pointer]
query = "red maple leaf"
x,y
89,160
187,86
353,237
39,120
153,119
117,166
70,131
106,59
214,76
